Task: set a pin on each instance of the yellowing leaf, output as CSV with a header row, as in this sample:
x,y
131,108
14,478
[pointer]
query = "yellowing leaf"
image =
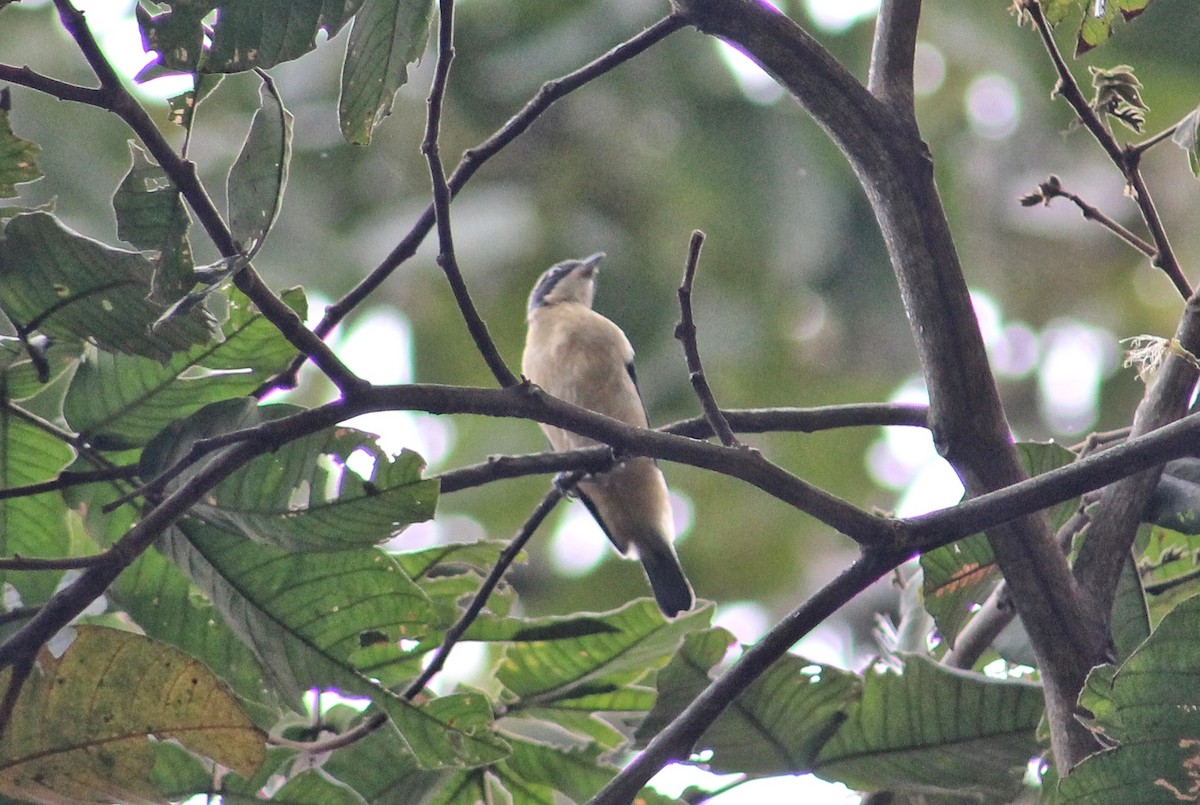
x,y
85,724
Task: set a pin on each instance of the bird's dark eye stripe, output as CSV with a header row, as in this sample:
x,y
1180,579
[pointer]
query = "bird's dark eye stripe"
x,y
549,280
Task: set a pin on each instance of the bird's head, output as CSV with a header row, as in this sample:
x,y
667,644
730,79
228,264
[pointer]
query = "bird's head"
x,y
568,281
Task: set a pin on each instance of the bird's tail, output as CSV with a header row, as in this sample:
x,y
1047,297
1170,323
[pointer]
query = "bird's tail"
x,y
670,586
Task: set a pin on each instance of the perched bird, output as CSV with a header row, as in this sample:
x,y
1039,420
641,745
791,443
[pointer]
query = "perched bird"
x,y
581,357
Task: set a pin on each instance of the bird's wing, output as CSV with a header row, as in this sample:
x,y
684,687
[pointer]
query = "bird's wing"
x,y
633,378
591,507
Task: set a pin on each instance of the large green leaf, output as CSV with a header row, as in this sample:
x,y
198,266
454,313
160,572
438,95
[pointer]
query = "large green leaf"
x,y
68,286
635,639
304,615
302,495
120,401
776,726
18,158
163,602
247,34
386,36
85,724
1150,707
936,730
257,179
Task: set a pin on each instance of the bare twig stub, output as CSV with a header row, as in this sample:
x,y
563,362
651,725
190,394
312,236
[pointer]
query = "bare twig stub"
x,y
686,333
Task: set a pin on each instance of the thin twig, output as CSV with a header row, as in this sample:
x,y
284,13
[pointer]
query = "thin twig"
x,y
1137,149
63,563
1158,588
676,740
1052,188
441,202
685,331
1126,159
71,478
558,490
20,613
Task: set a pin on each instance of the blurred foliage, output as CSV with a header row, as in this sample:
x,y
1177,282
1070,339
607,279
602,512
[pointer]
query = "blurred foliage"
x,y
795,305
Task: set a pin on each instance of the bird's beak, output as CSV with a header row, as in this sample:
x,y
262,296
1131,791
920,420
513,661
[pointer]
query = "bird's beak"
x,y
593,261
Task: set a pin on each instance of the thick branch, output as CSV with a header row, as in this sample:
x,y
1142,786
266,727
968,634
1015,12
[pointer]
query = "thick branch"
x,y
891,74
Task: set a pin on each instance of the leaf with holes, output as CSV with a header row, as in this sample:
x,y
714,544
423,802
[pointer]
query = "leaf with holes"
x,y
259,175
387,35
67,286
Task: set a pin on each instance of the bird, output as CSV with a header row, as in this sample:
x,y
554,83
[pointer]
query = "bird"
x,y
579,356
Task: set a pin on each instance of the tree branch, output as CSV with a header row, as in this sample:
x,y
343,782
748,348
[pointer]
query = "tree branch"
x,y
969,428
1126,159
685,331
891,75
1052,188
676,740
62,90
441,202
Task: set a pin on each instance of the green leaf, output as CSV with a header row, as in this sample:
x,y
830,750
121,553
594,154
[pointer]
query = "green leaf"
x,y
960,576
776,726
248,34
259,175
1150,706
382,771
71,287
151,216
578,773
82,725
313,786
386,36
23,375
936,730
1187,137
302,496
1130,615
31,525
304,615
18,158
1096,28
301,614
640,640
124,401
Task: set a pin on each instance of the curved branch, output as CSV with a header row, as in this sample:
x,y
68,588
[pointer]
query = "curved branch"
x,y
891,75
